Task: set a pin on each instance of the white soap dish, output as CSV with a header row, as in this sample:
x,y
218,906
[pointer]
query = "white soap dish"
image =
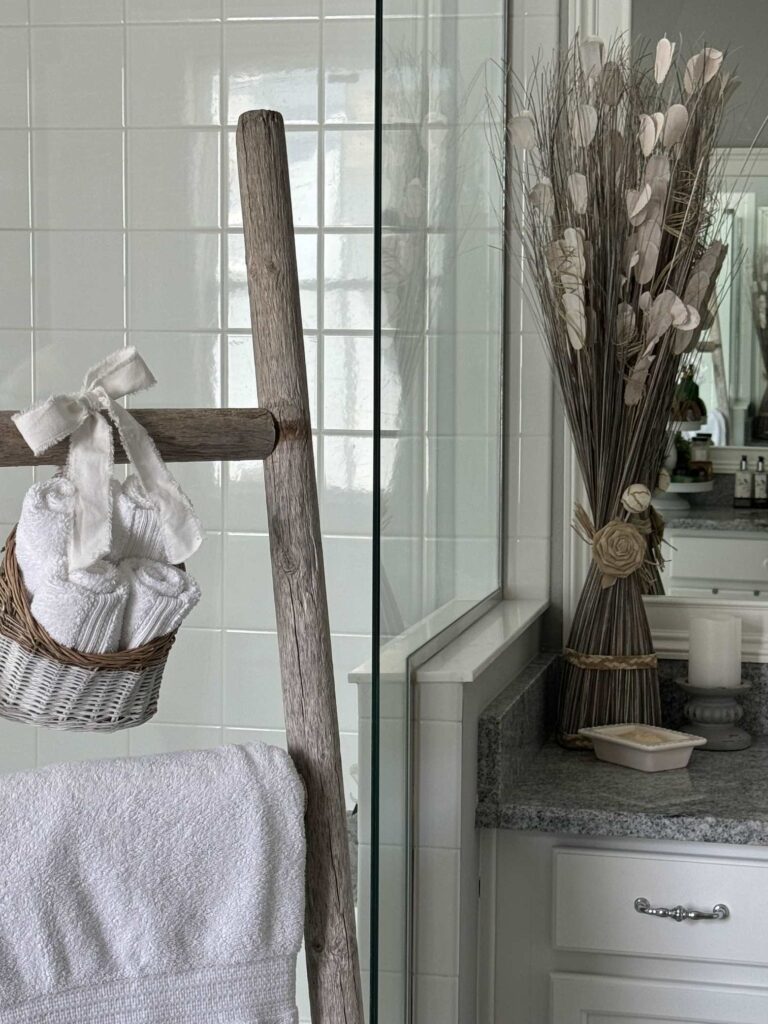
x,y
648,748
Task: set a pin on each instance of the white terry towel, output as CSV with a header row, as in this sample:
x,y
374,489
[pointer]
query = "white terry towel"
x,y
85,609
159,599
136,529
45,526
153,890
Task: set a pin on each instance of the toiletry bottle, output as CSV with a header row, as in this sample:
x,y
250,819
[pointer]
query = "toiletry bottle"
x,y
760,498
742,485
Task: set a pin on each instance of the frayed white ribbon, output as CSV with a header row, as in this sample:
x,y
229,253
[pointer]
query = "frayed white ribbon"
x,y
91,457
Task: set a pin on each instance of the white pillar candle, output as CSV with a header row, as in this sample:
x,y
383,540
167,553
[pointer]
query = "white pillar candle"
x,y
714,656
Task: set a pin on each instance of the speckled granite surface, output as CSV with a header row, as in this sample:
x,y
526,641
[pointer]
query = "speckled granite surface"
x,y
727,520
525,782
719,798
513,729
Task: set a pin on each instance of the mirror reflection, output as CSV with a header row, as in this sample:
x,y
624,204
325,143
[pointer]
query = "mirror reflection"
x,y
716,503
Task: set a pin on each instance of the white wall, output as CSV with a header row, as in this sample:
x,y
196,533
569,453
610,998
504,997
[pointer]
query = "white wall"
x,y
119,224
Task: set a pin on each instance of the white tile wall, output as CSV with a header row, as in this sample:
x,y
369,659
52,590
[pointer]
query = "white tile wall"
x,y
120,224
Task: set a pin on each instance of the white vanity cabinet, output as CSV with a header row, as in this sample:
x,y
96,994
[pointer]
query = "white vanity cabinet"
x,y
566,945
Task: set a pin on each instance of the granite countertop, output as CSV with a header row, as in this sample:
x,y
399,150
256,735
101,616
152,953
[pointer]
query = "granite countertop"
x,y
734,520
722,797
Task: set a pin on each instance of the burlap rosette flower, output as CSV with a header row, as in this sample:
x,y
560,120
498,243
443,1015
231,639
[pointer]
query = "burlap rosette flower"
x,y
619,549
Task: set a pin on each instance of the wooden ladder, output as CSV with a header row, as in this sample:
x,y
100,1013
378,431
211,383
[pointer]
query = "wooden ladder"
x,y
280,434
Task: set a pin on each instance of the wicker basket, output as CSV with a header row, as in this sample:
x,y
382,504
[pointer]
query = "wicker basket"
x,y
43,683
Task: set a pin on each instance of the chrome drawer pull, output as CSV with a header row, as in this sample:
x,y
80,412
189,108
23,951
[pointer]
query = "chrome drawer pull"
x,y
719,912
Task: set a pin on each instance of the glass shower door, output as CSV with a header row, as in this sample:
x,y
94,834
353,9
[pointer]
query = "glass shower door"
x,y
437,431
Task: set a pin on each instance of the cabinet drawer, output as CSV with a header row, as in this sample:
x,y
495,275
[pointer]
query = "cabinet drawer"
x,y
595,892
741,563
593,999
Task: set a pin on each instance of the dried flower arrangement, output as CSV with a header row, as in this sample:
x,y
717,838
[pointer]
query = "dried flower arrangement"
x,y
760,319
616,154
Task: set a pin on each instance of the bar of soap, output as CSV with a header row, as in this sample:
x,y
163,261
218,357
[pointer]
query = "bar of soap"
x,y
644,736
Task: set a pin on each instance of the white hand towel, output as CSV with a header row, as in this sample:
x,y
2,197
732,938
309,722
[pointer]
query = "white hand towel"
x,y
153,890
84,610
160,598
135,525
45,526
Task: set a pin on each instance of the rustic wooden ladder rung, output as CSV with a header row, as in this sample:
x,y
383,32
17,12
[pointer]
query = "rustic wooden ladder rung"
x,y
280,434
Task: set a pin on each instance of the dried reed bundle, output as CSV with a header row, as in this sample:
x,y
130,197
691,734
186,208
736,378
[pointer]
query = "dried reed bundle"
x,y
760,319
616,154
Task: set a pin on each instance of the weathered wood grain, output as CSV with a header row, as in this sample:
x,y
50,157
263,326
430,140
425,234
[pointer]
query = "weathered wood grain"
x,y
303,630
181,435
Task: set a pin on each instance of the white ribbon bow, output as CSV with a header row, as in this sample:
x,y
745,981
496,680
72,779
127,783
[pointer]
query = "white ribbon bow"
x,y
91,458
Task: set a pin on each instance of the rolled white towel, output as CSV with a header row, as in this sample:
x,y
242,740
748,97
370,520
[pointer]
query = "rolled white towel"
x,y
136,529
44,530
85,610
160,598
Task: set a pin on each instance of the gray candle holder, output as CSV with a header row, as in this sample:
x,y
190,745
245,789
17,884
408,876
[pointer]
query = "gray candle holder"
x,y
713,712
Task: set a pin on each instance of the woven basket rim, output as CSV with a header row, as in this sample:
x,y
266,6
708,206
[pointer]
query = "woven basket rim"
x,y
18,624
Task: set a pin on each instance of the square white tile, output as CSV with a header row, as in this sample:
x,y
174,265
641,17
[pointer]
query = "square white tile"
x,y
172,10
534,502
192,682
439,784
206,565
348,50
252,687
15,279
347,382
273,64
348,653
187,367
528,566
63,357
77,77
536,387
14,12
348,290
62,12
239,317
16,376
254,9
248,599
348,567
203,483
441,702
437,913
14,180
173,179
78,179
346,503
156,738
79,279
534,38
245,498
14,106
437,999
302,169
15,483
273,737
54,747
18,746
174,281
348,173
174,75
